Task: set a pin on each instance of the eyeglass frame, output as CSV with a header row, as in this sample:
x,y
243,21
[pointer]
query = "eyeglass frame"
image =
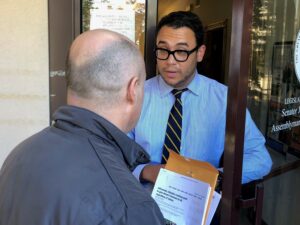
x,y
188,52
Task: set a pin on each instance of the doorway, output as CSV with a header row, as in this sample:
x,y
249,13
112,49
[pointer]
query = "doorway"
x,y
215,58
213,63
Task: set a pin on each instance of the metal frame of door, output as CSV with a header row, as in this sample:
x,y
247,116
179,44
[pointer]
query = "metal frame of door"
x,y
236,109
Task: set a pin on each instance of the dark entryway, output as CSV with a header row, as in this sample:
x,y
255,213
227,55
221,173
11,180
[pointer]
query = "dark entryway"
x,y
213,64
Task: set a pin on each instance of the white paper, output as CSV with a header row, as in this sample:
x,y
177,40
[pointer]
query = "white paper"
x,y
181,199
297,56
213,207
121,21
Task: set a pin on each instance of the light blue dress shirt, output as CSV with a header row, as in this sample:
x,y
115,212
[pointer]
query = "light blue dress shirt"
x,y
203,125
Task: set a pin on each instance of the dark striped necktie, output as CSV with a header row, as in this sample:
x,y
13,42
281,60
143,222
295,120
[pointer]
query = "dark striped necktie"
x,y
173,131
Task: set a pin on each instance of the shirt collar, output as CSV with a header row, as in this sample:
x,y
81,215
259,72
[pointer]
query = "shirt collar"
x,y
165,89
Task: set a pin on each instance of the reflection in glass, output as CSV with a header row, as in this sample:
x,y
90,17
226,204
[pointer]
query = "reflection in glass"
x,y
272,75
274,102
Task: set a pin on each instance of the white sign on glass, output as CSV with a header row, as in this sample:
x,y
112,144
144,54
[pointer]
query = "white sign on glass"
x,y
118,19
297,56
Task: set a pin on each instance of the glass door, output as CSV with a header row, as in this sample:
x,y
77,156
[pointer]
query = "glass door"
x,y
274,99
136,19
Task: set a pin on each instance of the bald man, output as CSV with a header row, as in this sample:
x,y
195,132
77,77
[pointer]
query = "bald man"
x,y
78,171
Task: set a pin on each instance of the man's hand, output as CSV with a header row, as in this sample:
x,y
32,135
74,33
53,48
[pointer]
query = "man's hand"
x,y
150,172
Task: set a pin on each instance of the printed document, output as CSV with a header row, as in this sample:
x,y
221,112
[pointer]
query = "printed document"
x,y
183,200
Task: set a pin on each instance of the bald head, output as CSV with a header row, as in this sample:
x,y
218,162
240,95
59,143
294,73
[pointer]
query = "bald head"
x,y
99,65
89,44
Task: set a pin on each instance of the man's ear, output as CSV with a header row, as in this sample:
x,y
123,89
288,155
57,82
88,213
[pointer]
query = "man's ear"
x,y
200,53
132,89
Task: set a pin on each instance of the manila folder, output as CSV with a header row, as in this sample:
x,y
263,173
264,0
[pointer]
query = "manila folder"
x,y
200,170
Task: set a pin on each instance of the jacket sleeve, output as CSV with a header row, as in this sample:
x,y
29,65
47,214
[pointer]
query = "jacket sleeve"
x,y
147,213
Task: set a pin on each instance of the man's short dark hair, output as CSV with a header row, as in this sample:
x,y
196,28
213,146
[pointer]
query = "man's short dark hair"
x,y
183,19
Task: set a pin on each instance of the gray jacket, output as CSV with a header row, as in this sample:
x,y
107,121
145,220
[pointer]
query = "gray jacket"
x,y
76,172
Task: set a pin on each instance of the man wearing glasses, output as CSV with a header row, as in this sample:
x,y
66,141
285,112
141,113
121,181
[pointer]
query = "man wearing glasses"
x,y
184,111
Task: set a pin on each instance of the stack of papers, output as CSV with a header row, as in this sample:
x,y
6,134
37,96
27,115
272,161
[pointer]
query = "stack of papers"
x,y
184,191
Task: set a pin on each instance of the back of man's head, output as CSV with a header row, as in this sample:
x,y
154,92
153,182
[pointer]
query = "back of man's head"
x,y
105,73
181,19
100,63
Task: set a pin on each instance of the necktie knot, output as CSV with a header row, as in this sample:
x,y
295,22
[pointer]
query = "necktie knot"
x,y
177,93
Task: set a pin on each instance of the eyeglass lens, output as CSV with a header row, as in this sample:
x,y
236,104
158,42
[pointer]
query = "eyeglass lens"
x,y
179,55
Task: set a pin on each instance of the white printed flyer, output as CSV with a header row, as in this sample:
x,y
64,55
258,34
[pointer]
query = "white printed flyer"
x,y
183,200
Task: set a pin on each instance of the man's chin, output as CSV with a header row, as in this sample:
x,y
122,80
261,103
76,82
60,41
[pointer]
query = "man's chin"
x,y
171,82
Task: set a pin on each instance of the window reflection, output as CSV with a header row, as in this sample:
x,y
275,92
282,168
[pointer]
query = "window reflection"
x,y
272,75
274,102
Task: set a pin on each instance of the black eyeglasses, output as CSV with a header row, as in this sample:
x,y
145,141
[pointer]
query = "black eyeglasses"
x,y
179,55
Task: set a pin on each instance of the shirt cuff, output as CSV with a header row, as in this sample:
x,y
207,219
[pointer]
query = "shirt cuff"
x,y
137,171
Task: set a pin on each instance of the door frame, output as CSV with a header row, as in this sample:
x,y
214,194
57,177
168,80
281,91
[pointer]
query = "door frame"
x,y
239,63
237,81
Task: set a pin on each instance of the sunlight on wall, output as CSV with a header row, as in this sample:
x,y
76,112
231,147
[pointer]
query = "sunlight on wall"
x,y
24,82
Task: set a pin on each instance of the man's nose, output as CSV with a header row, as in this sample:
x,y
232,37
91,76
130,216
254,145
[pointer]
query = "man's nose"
x,y
171,59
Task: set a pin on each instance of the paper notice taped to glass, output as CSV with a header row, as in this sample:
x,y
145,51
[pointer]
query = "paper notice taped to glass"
x,y
184,200
297,56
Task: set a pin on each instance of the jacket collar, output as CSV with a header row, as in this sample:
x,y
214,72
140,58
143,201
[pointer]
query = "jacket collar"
x,y
133,153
